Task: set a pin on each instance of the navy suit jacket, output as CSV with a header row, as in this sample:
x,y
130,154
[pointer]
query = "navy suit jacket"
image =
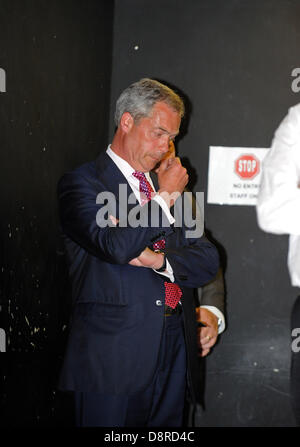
x,y
118,309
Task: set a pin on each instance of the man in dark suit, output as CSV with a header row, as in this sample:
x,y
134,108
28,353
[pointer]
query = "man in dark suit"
x,y
132,343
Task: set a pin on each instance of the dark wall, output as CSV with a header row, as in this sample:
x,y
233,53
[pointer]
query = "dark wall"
x,y
53,116
233,60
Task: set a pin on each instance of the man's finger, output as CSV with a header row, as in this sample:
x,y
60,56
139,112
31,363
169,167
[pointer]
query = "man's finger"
x,y
114,220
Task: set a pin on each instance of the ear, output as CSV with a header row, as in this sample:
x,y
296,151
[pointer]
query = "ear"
x,y
126,122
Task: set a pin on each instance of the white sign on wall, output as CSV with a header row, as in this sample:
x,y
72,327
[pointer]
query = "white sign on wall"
x,y
2,81
234,175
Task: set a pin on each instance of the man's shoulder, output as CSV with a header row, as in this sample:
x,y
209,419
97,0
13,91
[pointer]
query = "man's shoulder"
x,y
293,116
295,109
85,173
89,169
288,130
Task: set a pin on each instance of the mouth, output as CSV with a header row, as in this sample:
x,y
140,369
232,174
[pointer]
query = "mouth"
x,y
156,159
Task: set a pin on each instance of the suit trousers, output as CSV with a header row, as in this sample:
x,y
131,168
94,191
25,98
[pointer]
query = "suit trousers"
x,y
160,404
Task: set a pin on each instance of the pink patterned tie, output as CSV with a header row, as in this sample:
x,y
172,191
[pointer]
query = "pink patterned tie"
x,y
173,292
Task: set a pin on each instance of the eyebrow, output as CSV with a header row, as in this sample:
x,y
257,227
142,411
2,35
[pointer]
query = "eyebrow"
x,y
165,131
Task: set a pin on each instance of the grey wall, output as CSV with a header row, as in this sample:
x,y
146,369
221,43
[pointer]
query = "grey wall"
x,y
233,61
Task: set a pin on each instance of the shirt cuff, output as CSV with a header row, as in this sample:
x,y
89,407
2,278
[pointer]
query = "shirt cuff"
x,y
168,272
219,315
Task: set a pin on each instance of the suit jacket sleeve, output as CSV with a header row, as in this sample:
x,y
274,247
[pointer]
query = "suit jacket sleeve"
x,y
212,294
194,259
118,245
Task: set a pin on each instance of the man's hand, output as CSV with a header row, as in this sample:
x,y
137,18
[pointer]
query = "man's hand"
x,y
207,336
172,177
148,258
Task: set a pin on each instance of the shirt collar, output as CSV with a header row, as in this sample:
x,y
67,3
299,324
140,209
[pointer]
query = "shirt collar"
x,y
122,164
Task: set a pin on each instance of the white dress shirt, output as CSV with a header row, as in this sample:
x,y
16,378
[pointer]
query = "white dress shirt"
x,y
134,183
278,204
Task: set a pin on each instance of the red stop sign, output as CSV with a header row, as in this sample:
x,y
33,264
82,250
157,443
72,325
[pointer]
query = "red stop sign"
x,y
247,166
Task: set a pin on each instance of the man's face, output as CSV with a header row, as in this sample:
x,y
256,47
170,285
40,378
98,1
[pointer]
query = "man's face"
x,y
148,141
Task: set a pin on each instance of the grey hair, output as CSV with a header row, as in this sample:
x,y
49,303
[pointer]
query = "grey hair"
x,y
139,98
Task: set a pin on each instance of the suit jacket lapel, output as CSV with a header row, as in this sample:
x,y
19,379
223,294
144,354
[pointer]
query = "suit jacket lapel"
x,y
154,179
114,181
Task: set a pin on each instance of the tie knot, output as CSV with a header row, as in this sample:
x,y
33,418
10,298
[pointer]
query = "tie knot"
x,y
139,175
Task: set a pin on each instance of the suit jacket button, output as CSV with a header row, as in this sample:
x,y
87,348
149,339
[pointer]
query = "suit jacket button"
x,y
158,303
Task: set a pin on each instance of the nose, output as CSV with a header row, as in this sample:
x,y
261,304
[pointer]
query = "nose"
x,y
165,144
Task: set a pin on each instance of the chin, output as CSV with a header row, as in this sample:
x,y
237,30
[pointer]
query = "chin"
x,y
153,166
150,164
147,167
